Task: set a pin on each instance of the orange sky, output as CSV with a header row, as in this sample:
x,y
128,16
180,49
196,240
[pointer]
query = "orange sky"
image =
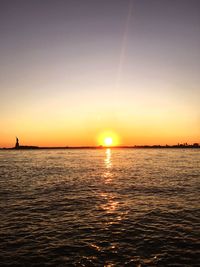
x,y
73,70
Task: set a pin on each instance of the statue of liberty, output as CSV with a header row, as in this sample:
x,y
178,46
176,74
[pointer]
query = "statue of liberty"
x,y
17,143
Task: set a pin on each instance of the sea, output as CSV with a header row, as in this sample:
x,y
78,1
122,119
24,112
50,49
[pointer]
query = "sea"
x,y
100,207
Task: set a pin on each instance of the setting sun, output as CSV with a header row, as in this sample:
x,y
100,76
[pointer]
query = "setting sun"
x,y
108,141
108,138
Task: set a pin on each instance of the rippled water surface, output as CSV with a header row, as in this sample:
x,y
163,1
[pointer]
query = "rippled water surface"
x,y
131,207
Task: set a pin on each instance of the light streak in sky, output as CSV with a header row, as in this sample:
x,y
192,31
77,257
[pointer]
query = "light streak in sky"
x,y
124,45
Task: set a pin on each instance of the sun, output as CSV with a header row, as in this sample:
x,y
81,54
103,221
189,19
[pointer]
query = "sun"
x,y
108,141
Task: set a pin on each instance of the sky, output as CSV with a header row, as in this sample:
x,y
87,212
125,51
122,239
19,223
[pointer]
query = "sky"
x,y
72,71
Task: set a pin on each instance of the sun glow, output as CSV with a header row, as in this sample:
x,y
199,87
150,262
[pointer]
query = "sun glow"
x,y
108,139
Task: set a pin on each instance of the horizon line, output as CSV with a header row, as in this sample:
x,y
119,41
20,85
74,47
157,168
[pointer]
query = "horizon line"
x,y
179,145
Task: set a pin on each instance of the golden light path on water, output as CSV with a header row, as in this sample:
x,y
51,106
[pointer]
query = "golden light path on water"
x,y
111,204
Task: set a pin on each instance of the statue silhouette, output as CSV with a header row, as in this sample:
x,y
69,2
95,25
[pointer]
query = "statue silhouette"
x,y
17,143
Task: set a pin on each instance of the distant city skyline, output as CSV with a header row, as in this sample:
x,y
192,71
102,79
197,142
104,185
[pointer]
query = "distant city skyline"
x,y
74,72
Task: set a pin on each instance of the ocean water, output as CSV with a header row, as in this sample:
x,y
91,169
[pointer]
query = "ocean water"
x,y
112,207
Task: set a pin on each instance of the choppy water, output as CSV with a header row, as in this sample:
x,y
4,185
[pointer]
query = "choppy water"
x,y
100,207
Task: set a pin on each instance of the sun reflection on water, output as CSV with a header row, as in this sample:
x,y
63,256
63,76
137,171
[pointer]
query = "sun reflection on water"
x,y
108,164
108,159
110,203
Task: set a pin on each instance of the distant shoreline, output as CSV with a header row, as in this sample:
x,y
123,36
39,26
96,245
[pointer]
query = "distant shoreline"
x,y
181,146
